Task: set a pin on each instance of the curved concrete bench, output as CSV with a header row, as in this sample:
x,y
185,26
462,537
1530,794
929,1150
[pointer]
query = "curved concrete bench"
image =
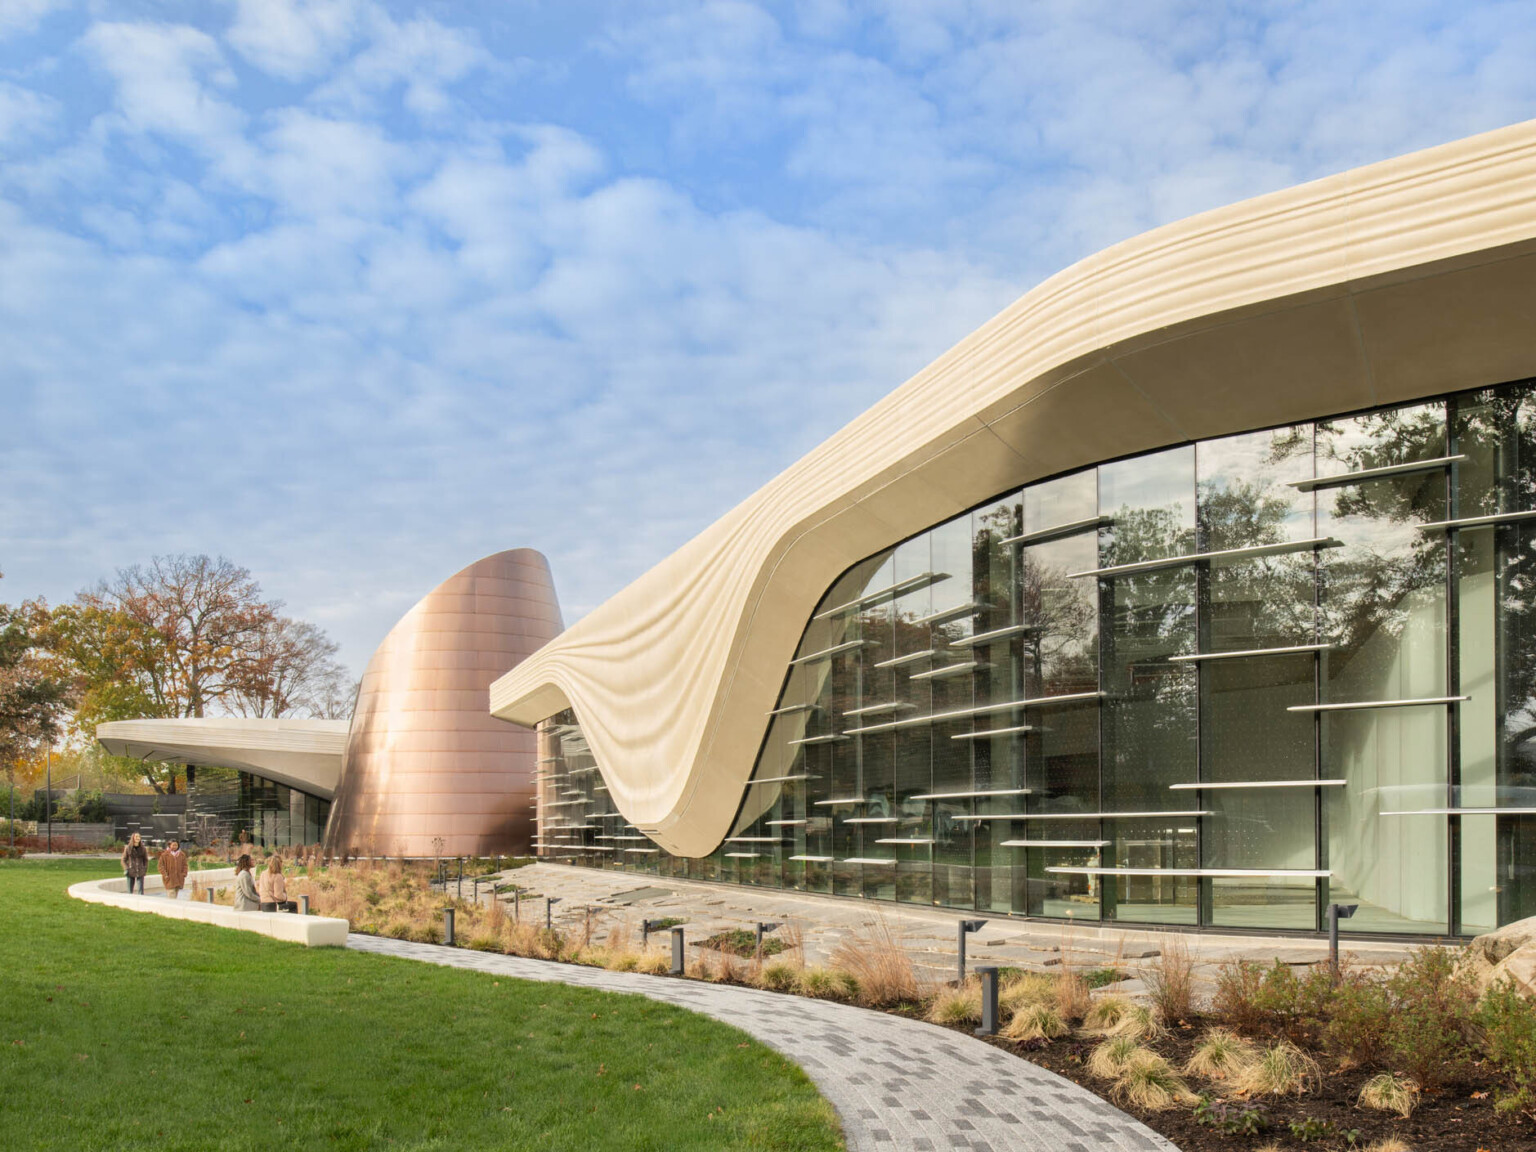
x,y
314,931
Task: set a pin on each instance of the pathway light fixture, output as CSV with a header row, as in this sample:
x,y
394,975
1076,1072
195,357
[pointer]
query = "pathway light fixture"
x,y
965,927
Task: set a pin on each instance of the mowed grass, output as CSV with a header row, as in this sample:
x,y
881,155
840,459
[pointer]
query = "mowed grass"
x,y
120,1030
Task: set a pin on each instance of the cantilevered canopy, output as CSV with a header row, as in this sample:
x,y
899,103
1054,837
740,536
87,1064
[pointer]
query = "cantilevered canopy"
x,y
303,754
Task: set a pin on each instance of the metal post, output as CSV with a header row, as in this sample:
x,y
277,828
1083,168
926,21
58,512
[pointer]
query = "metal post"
x,y
549,915
304,905
448,926
677,952
477,891
1337,912
965,926
988,974
517,905
48,802
210,896
461,877
761,928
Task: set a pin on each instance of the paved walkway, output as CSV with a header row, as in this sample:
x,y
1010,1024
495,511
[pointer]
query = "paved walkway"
x,y
896,1083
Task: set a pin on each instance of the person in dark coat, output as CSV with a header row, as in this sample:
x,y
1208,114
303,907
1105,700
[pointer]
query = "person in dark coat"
x,y
135,862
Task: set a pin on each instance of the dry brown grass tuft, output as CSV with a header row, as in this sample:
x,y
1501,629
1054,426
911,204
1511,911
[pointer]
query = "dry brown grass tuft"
x,y
1282,1070
1073,996
1170,979
1105,1014
1021,989
1035,1022
1390,1093
1106,1060
1387,1144
957,1005
778,976
1221,1054
879,964
654,962
1146,1081
1139,1022
825,984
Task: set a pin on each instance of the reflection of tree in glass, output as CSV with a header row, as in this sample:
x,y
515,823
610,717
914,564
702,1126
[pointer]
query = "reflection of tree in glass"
x,y
1258,598
1064,648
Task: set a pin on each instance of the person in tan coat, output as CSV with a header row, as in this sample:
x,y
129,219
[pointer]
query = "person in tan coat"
x,y
272,887
172,865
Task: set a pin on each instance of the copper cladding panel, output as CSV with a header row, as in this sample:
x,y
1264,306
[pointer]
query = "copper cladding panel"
x,y
428,770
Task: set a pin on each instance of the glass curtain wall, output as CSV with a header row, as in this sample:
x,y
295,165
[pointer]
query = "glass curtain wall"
x,y
1222,684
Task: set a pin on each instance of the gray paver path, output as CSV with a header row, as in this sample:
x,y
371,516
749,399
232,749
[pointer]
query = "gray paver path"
x,y
896,1083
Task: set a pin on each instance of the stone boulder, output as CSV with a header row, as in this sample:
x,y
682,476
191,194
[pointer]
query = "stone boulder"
x,y
1507,953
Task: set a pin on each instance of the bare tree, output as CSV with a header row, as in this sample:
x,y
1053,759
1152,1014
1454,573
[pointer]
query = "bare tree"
x,y
291,670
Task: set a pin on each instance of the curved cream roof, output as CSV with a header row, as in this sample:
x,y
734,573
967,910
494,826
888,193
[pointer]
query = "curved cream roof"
x,y
1398,280
303,754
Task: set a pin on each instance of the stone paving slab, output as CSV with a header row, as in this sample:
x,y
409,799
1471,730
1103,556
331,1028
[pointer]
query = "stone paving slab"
x,y
897,1084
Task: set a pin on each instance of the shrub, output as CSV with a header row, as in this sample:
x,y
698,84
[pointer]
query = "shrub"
x,y
1359,1016
1230,1117
1106,1060
1146,1081
1310,1128
1170,980
1236,997
1220,1054
1386,1092
1281,1070
957,1005
1035,1022
1508,1021
1432,1010
1105,1014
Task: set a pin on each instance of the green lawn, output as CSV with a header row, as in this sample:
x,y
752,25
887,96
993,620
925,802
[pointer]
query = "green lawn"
x,y
120,1030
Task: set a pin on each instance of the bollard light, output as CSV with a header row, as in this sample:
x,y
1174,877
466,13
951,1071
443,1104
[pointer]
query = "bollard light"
x,y
678,958
988,974
448,926
1337,912
549,917
304,905
761,928
210,896
517,905
965,927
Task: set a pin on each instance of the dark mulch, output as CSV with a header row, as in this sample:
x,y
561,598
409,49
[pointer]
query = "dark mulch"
x,y
1461,1118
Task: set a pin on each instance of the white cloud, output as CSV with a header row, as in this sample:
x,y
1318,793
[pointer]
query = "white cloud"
x,y
25,15
295,39
420,57
164,73
24,114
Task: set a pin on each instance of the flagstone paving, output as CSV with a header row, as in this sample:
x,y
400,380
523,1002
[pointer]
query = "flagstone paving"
x,y
897,1084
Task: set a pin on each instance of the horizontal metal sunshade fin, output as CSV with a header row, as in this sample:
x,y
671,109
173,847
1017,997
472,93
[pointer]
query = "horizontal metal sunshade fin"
x,y
1462,812
1083,815
1057,531
1250,652
1374,473
1310,873
988,733
1054,843
1361,705
981,710
890,592
1253,551
828,653
1489,521
995,634
970,795
1260,784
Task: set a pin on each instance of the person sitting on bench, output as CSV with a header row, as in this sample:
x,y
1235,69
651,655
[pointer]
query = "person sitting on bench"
x,y
273,888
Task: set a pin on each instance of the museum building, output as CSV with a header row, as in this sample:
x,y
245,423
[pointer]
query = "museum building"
x,y
1197,588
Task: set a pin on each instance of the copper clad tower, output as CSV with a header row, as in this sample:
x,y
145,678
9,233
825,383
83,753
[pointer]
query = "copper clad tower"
x,y
427,769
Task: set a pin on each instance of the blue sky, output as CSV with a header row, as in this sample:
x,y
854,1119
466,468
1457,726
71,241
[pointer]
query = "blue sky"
x,y
355,293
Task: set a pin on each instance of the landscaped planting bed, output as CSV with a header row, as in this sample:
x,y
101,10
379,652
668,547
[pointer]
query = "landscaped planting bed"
x,y
1414,1056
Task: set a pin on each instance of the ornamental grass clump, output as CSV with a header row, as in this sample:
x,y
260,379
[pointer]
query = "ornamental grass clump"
x,y
1170,979
1106,1060
654,963
1146,1081
1281,1070
1220,1055
1035,1022
879,966
1073,996
957,1005
1388,1092
1105,1014
1023,989
1139,1022
826,984
778,976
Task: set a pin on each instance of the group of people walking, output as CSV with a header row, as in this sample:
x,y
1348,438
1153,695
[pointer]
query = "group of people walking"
x,y
267,892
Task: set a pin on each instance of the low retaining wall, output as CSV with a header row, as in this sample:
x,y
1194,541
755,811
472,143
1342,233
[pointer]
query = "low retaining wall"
x,y
314,931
